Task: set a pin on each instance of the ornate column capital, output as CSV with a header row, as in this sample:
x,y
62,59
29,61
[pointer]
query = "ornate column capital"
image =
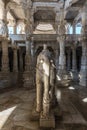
x,y
61,38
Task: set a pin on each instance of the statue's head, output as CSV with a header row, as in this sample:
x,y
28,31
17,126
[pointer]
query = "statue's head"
x,y
44,46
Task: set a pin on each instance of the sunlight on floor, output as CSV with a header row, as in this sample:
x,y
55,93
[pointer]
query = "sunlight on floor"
x,y
4,115
71,88
85,100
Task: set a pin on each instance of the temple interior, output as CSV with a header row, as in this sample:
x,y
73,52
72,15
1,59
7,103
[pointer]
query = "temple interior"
x,y
43,64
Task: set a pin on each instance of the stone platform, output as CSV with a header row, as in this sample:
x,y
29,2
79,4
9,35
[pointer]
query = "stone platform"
x,y
16,107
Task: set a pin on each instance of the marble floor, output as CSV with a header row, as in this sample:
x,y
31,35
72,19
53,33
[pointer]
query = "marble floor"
x,y
16,106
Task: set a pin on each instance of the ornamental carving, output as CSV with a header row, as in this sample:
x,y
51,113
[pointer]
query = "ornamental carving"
x,y
3,28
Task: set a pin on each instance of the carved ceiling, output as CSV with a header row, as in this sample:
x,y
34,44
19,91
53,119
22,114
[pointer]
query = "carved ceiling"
x,y
17,9
71,14
44,16
78,3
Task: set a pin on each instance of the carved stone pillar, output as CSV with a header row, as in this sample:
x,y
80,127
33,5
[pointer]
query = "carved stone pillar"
x,y
62,58
4,75
74,65
15,61
68,59
83,71
62,76
28,74
15,28
15,66
74,28
5,60
4,34
57,59
32,47
28,55
3,22
21,59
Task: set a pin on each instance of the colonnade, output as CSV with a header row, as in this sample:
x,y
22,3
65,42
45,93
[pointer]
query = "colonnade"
x,y
60,57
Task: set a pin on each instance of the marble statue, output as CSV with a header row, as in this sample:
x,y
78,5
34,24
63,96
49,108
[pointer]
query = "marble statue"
x,y
45,82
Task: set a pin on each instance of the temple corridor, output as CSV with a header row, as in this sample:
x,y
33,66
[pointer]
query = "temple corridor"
x,y
43,64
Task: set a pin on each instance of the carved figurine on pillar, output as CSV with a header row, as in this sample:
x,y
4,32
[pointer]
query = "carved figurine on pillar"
x,y
45,85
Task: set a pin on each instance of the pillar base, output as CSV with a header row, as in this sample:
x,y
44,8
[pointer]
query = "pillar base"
x,y
4,80
28,80
74,75
83,79
14,78
48,122
83,83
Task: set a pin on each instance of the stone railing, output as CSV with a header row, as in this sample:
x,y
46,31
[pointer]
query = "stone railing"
x,y
45,37
17,37
37,37
73,37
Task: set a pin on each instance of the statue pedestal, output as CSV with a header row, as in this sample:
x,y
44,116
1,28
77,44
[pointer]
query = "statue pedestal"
x,y
48,122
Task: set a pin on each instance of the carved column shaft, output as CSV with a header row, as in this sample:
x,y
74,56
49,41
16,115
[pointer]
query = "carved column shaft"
x,y
62,58
15,62
74,63
5,60
21,59
74,28
57,59
32,47
15,29
28,55
83,71
68,59
28,74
